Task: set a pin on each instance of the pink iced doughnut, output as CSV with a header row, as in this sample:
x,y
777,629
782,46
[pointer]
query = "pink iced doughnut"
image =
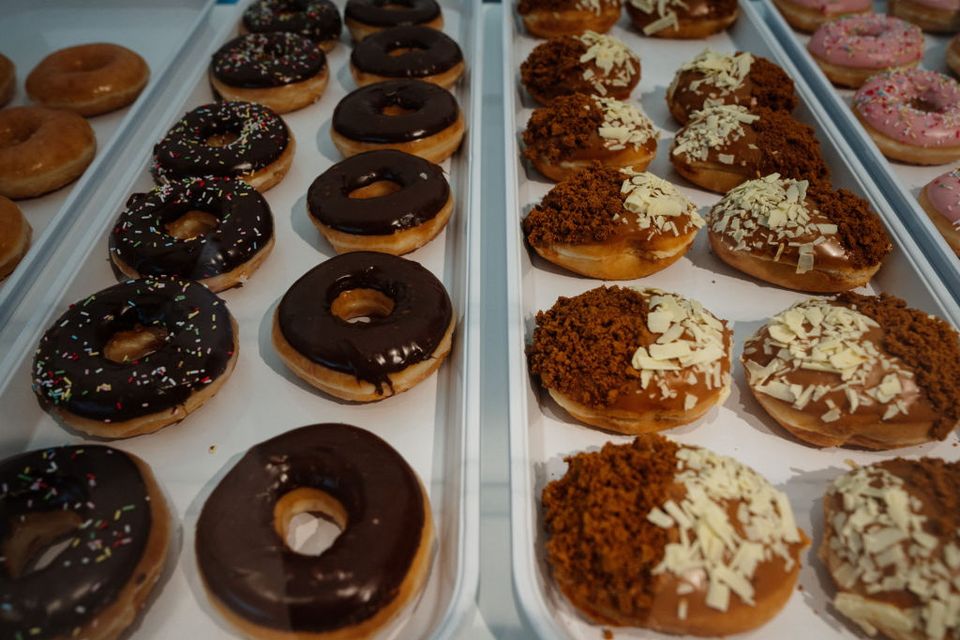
x,y
850,50
941,200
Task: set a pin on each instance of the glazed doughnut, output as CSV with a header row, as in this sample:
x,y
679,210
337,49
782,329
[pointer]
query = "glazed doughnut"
x,y
108,506
890,545
215,231
850,50
8,80
590,63
682,19
741,78
797,235
857,371
242,140
282,71
613,224
407,115
378,565
42,150
385,201
632,360
407,337
809,15
414,52
577,131
670,537
88,79
953,55
366,17
318,20
135,357
940,198
552,18
913,116
15,234
938,16
724,145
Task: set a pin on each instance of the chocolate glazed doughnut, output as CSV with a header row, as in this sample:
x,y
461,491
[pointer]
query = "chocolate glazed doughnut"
x,y
318,20
366,17
407,52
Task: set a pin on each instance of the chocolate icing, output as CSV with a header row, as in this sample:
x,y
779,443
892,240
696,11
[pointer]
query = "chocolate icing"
x,y
391,13
424,192
369,351
359,116
102,487
432,52
71,371
259,60
250,569
318,20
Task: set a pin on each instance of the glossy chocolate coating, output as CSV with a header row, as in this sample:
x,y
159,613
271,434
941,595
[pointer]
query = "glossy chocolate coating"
x,y
250,569
391,13
432,52
263,60
360,115
318,20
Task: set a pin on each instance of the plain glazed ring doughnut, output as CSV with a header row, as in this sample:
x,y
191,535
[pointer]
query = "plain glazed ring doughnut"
x,y
937,16
88,79
8,80
215,231
671,537
378,564
808,15
632,360
318,20
366,17
682,19
407,115
940,198
15,234
42,150
135,357
108,506
415,52
552,18
385,201
857,371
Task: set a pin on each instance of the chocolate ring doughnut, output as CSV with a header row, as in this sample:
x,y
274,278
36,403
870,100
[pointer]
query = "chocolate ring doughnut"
x,y
407,52
366,17
318,20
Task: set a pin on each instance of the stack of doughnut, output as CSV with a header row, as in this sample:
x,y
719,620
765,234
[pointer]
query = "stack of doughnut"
x,y
940,198
552,18
682,19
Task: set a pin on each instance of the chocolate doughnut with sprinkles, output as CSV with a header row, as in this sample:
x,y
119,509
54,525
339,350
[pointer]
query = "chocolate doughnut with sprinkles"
x,y
552,18
135,357
683,19
106,505
366,17
318,20
415,52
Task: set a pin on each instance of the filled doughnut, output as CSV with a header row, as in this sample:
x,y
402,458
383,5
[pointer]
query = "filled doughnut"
x,y
241,140
282,71
798,235
552,18
318,20
135,357
940,198
741,78
8,80
215,231
88,79
724,145
377,566
682,19
107,505
414,52
366,17
937,16
15,234
576,131
857,371
953,55
407,337
632,360
407,115
808,15
42,150
613,224
385,201
670,537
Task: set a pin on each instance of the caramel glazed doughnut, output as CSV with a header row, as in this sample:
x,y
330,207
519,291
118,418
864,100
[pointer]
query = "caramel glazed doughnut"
x,y
107,505
408,335
15,234
683,19
415,52
318,20
552,18
135,357
711,548
366,17
377,566
8,80
632,360
857,371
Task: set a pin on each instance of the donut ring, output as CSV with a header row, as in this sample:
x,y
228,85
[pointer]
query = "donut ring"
x,y
940,199
578,17
8,80
366,17
15,234
682,19
933,16
415,52
809,15
89,79
318,20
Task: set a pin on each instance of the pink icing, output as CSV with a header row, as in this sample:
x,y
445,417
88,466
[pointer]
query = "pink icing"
x,y
869,41
943,192
915,106
834,7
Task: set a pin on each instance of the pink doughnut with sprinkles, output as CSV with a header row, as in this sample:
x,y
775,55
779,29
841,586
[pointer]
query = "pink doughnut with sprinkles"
x,y
940,198
808,15
850,50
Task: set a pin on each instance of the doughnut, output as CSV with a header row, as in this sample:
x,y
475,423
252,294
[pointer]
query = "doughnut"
x,y
15,234
576,131
318,20
377,566
42,150
938,16
850,50
215,231
670,537
135,357
407,337
890,546
366,17
724,145
682,19
857,371
590,63
282,71
953,55
107,505
89,79
552,18
414,52
741,78
407,115
808,15
385,201
798,235
940,198
242,140
913,116
8,80
632,360
613,224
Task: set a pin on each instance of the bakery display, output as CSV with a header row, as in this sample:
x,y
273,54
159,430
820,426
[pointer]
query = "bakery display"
x,y
366,17
808,15
683,19
552,18
414,52
940,199
318,20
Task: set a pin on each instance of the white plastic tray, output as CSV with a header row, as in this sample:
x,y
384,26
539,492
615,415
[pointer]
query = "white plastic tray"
x,y
542,434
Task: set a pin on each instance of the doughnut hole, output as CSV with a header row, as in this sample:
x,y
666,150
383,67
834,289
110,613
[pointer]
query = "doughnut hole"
x,y
402,51
221,139
13,136
133,344
91,61
309,520
926,104
360,305
35,541
192,224
376,189
397,110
